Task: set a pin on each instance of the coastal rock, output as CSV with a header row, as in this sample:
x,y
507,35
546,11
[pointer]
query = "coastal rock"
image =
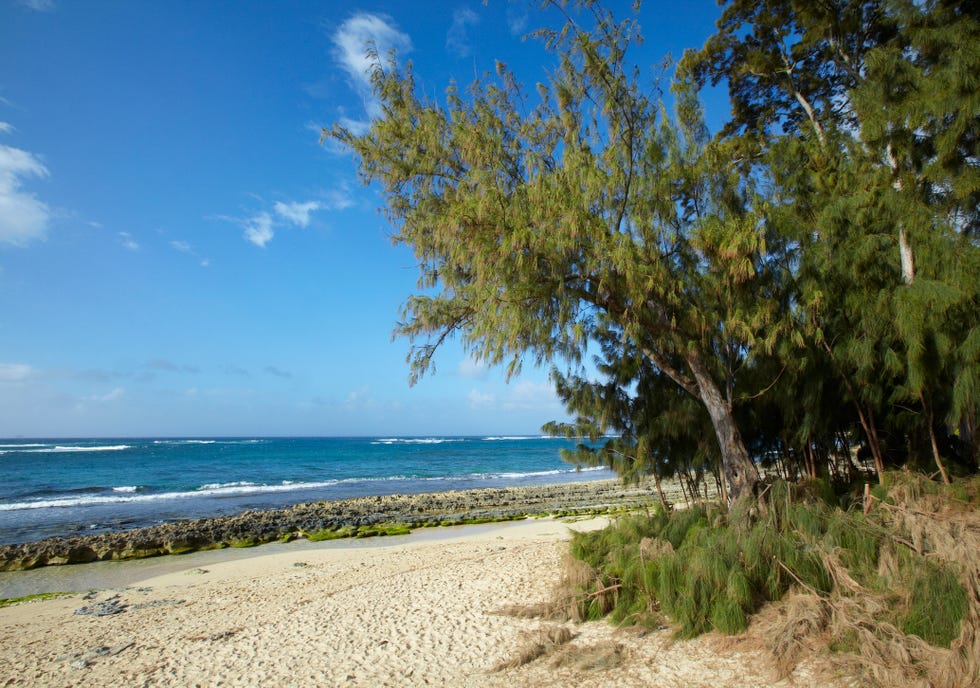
x,y
256,527
109,607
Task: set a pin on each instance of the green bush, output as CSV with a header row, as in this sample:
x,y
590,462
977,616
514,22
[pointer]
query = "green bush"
x,y
937,604
706,572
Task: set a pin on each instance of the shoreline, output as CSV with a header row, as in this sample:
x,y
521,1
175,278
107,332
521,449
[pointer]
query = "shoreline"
x,y
388,612
356,517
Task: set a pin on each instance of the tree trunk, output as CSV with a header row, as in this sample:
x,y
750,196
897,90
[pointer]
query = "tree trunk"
x,y
660,493
932,438
740,473
905,254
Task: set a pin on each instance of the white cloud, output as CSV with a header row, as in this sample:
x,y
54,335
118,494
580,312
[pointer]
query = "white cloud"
x,y
358,127
338,199
15,372
258,229
261,227
297,213
360,399
38,5
469,368
185,247
480,400
6,128
127,241
23,218
457,39
527,395
516,21
352,41
114,395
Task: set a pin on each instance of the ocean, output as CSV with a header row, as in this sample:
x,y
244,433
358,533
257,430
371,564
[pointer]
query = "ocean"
x,y
66,487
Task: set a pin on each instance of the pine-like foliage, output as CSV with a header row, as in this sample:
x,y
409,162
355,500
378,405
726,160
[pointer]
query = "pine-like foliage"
x,y
892,577
797,293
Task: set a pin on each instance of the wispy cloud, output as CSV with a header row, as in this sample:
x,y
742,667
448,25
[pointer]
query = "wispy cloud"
x,y
113,395
168,366
517,21
457,39
480,400
260,227
23,218
297,213
278,372
184,247
527,395
360,399
38,5
15,372
127,241
352,40
6,128
357,127
339,198
471,369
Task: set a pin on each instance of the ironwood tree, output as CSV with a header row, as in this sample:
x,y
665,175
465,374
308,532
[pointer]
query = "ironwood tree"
x,y
536,226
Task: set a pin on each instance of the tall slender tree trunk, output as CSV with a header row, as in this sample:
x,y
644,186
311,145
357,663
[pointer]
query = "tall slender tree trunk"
x,y
905,254
811,461
660,492
740,473
932,438
868,423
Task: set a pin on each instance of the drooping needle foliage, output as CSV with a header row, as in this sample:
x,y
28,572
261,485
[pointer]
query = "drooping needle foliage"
x,y
798,291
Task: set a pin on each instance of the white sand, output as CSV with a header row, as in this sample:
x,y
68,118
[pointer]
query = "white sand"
x,y
409,613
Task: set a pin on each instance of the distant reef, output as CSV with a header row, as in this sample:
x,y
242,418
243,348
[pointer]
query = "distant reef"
x,y
359,517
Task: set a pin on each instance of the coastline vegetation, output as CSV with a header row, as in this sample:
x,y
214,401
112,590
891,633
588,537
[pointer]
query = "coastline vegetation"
x,y
37,597
891,587
794,296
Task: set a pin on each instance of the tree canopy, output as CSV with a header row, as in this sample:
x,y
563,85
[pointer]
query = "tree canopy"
x,y
756,282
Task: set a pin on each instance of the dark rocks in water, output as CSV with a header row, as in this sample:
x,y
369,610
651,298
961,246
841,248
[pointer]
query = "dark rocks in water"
x,y
256,527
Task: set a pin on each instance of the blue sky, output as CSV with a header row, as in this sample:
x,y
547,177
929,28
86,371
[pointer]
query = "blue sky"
x,y
179,256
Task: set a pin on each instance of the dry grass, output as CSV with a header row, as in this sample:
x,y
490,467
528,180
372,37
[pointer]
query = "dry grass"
x,y
543,641
893,595
567,601
849,620
597,657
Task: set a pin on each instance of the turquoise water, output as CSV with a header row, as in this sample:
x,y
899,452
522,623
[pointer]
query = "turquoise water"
x,y
62,487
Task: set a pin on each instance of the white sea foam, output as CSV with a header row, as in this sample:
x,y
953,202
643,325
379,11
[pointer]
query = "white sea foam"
x,y
222,486
508,438
125,497
417,440
22,446
132,494
69,449
527,475
184,441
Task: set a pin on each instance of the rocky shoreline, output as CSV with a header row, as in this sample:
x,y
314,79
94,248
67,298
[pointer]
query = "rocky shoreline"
x,y
349,517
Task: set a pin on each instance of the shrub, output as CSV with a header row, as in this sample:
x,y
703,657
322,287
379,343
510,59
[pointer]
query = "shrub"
x,y
705,571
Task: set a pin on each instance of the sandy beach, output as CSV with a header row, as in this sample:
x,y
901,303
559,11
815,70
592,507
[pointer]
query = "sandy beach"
x,y
403,611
